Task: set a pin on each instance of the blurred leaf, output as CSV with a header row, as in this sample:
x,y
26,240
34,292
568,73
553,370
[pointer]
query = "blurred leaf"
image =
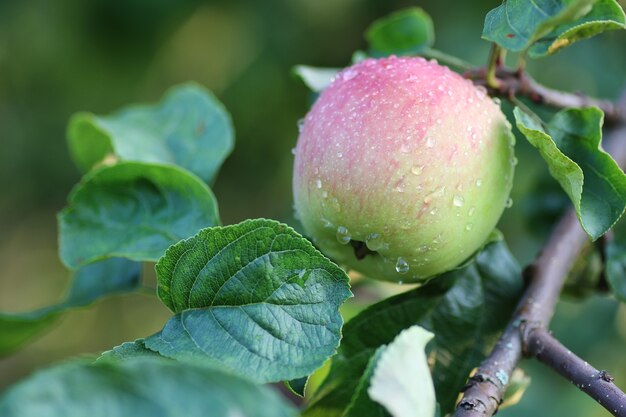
x,y
133,210
139,387
90,283
189,128
464,308
401,381
544,26
615,268
316,79
255,295
405,32
570,144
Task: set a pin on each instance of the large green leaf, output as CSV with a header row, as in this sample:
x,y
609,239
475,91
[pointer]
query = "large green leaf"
x,y
256,295
133,210
90,283
570,144
542,27
464,308
139,387
615,268
189,128
405,32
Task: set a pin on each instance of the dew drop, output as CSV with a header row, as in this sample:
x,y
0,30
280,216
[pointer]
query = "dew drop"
x,y
326,223
497,101
349,74
509,203
374,242
339,155
343,235
293,151
479,182
318,183
423,248
469,226
430,142
458,201
300,124
471,211
325,194
335,204
402,266
417,169
433,212
404,148
400,282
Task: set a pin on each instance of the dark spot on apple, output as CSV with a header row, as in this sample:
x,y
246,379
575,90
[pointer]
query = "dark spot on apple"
x,y
360,249
510,35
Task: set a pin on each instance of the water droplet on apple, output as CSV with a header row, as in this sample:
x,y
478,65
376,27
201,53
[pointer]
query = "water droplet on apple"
x,y
318,183
402,266
300,124
469,226
349,74
293,151
335,204
430,142
417,169
326,223
509,203
343,235
374,242
458,200
471,211
479,182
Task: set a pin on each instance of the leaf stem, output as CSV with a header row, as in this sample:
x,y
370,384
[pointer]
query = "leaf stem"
x,y
494,63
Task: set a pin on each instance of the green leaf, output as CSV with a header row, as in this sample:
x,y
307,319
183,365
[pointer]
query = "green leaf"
x,y
464,308
361,403
139,387
189,128
133,210
570,144
128,350
405,32
256,295
298,385
542,27
615,268
401,381
90,283
317,79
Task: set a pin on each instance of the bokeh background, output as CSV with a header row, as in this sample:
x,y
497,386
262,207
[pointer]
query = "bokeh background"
x,y
61,56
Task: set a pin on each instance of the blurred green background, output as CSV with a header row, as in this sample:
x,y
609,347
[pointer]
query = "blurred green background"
x,y
59,57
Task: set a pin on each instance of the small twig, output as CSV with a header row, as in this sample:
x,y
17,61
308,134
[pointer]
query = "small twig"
x,y
597,384
486,389
518,83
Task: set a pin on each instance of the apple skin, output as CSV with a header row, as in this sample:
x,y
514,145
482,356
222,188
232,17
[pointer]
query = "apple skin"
x,y
407,157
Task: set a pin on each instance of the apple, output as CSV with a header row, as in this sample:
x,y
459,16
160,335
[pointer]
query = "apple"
x,y
402,168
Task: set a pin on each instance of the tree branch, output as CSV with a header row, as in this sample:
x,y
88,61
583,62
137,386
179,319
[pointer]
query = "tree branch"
x,y
516,83
485,390
598,384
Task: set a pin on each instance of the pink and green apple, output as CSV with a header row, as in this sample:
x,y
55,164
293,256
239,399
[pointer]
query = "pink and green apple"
x,y
402,168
